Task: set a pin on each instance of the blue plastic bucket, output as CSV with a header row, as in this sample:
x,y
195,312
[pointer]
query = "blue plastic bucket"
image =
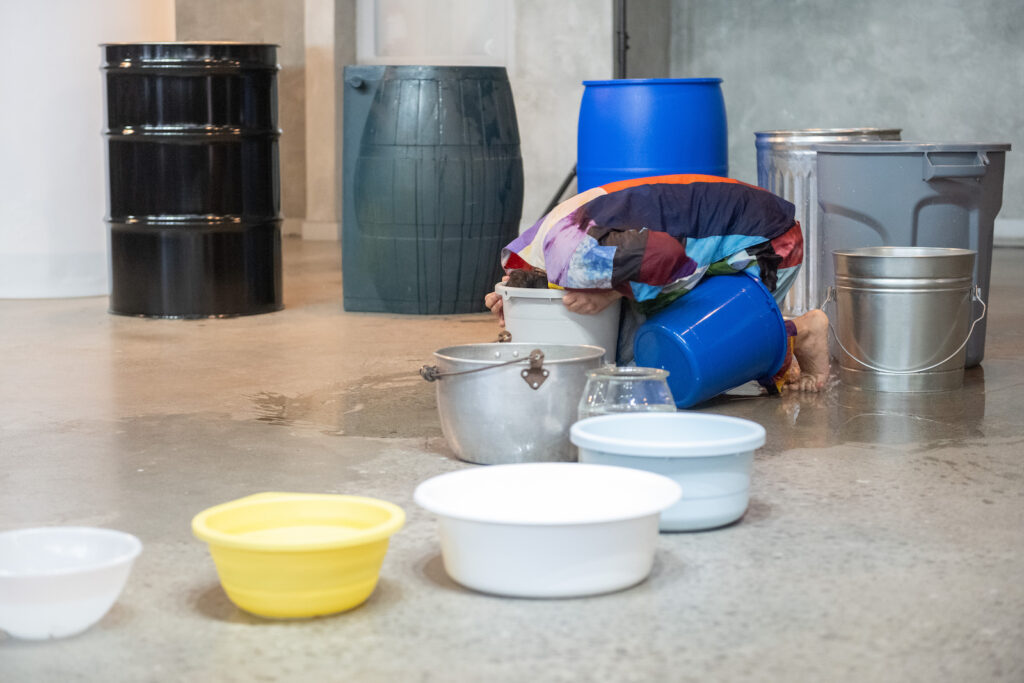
x,y
636,128
724,333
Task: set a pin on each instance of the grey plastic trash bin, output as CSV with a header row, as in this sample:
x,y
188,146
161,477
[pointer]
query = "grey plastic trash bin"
x,y
787,166
913,194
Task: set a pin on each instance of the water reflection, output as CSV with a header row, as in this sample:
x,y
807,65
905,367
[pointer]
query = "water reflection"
x,y
844,413
903,418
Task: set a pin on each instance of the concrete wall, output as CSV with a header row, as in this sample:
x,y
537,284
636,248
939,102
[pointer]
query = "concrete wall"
x,y
270,21
554,47
557,46
942,70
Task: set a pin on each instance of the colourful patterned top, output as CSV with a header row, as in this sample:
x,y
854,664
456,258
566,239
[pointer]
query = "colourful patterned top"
x,y
653,239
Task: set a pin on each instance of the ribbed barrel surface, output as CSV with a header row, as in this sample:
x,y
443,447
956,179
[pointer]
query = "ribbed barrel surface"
x,y
194,187
437,187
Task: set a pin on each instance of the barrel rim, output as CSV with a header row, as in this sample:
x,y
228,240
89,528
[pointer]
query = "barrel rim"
x,y
823,132
909,147
652,81
888,252
390,69
193,43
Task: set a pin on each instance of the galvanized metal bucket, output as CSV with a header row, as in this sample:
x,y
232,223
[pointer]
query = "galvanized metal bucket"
x,y
787,166
506,402
903,316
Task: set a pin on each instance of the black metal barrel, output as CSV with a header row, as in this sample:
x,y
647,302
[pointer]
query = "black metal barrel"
x,y
193,179
433,186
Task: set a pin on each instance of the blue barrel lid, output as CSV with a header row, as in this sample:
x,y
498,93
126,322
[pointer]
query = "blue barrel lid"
x,y
903,147
652,81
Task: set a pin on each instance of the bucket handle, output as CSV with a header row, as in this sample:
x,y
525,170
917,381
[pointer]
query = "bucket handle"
x,y
955,170
975,296
534,376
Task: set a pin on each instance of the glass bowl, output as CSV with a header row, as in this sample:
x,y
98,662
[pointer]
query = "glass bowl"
x,y
613,389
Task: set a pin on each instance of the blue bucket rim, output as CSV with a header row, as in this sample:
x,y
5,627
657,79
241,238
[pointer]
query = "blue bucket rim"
x,y
784,350
652,81
784,353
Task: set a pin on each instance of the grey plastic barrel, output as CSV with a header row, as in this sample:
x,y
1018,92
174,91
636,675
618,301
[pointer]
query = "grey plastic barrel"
x,y
913,194
786,166
433,186
903,315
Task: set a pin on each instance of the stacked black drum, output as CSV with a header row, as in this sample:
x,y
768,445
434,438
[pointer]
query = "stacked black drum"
x,y
194,185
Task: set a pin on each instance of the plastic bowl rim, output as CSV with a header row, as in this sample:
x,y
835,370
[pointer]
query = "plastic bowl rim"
x,y
653,510
135,548
661,449
221,539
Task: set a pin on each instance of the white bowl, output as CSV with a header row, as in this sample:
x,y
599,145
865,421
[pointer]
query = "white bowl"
x,y
59,581
548,530
710,456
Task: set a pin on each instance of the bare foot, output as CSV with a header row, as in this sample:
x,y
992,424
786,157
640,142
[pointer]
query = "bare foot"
x,y
792,373
811,350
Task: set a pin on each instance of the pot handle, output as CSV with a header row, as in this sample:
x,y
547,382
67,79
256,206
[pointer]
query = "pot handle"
x,y
975,295
534,376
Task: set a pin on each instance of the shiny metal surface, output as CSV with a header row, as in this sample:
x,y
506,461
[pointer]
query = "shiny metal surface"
x,y
892,193
494,417
786,165
193,179
903,317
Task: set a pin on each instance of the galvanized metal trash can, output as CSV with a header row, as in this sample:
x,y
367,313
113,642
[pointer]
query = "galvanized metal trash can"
x,y
432,186
913,194
193,184
786,166
903,317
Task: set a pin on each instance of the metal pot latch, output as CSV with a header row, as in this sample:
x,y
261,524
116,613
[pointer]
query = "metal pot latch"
x,y
535,374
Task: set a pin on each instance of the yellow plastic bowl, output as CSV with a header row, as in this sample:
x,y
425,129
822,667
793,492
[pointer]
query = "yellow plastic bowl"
x,y
287,555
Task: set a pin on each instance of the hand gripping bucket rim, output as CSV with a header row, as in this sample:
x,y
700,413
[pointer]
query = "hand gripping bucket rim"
x,y
725,332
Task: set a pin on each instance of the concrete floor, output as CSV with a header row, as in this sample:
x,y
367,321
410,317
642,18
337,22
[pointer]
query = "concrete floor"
x,y
884,541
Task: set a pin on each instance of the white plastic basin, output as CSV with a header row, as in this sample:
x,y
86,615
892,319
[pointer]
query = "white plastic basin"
x,y
710,456
59,581
548,530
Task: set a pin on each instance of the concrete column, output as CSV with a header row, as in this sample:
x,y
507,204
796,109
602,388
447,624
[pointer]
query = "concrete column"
x,y
321,164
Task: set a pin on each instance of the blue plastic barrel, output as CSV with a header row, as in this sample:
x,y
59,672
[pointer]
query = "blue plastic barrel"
x,y
726,332
641,127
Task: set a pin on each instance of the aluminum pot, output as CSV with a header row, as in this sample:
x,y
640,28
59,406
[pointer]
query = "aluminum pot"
x,y
507,403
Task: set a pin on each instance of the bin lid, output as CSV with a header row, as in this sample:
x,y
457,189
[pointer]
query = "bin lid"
x,y
902,147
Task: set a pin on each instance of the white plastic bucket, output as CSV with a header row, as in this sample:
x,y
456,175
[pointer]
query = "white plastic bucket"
x,y
539,316
710,456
